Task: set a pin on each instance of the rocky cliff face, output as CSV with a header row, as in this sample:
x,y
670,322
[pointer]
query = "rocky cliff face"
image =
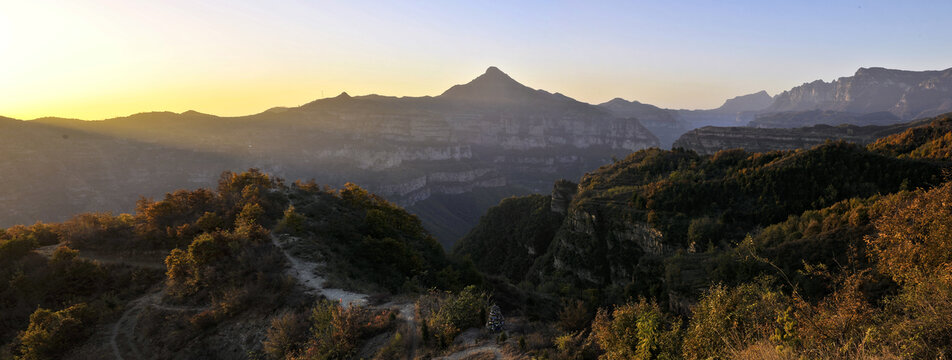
x,y
562,194
490,133
906,94
710,139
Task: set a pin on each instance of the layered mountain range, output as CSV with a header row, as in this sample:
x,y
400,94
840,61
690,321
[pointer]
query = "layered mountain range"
x,y
668,124
447,157
492,134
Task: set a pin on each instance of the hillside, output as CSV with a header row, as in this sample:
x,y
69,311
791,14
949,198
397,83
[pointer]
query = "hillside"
x,y
202,273
735,243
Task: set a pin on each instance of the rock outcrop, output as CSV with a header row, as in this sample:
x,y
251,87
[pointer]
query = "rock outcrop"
x,y
562,194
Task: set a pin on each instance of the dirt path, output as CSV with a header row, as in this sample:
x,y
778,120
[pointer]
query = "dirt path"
x,y
122,337
408,315
303,271
155,261
125,328
490,349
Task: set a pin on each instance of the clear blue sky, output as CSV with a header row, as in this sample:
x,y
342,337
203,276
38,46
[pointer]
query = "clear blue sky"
x,y
97,58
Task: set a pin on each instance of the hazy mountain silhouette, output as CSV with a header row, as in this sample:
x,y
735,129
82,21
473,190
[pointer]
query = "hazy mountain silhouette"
x,y
492,135
746,103
664,123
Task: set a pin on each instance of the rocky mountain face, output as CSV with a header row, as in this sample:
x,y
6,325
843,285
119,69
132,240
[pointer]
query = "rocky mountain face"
x,y
491,133
906,94
711,139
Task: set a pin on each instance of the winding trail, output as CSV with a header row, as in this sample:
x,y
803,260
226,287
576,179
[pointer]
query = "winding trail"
x,y
304,272
123,332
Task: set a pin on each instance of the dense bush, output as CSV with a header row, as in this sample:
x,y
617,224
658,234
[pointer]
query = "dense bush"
x,y
336,330
637,330
446,314
52,333
727,319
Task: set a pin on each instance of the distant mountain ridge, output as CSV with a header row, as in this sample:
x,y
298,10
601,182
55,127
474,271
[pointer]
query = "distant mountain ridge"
x,y
492,136
711,139
906,94
663,123
793,119
746,103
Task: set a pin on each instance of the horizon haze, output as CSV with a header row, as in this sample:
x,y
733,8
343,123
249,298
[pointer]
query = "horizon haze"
x,y
103,59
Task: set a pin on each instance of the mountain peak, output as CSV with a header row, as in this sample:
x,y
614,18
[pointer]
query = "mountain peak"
x,y
492,86
493,74
494,71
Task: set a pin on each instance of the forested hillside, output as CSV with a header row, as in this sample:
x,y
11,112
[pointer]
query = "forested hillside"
x,y
804,253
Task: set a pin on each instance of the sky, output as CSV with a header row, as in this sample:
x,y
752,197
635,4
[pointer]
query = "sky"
x,y
95,59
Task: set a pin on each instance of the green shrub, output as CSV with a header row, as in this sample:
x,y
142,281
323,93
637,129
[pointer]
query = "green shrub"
x,y
731,318
637,331
50,334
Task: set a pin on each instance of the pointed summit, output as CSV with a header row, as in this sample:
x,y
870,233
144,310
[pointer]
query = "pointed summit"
x,y
493,86
493,71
